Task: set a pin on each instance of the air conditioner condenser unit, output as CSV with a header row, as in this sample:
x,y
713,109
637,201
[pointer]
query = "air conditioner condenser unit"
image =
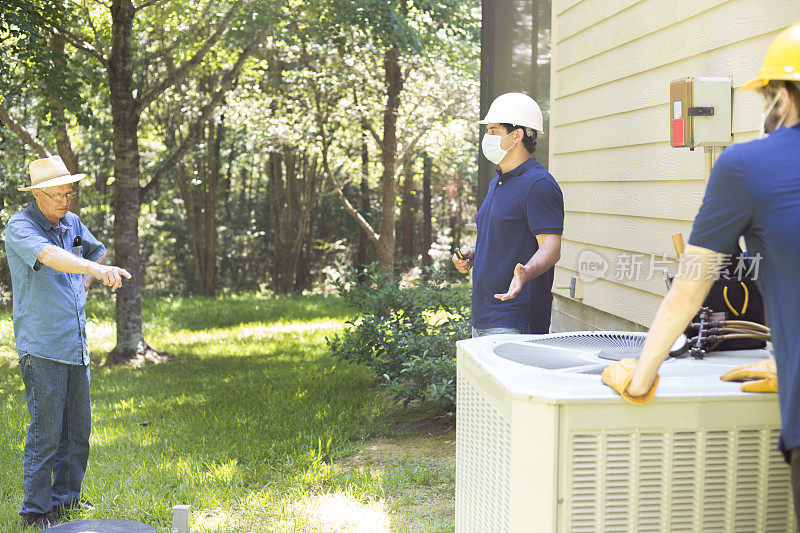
x,y
544,446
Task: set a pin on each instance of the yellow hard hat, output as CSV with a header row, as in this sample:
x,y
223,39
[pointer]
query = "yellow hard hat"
x,y
782,61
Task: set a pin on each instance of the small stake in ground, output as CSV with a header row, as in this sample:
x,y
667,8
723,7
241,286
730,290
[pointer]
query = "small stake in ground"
x,y
180,518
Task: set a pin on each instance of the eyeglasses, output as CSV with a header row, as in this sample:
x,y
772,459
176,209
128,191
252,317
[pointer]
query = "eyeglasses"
x,y
58,198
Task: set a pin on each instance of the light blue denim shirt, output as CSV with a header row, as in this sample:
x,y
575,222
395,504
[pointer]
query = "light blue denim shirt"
x,y
49,319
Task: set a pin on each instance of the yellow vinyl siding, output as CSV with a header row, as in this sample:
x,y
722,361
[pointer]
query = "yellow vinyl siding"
x,y
672,200
629,234
625,189
651,281
593,31
617,299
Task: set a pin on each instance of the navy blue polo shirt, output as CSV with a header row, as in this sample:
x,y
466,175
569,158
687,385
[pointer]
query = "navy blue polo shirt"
x,y
754,190
520,204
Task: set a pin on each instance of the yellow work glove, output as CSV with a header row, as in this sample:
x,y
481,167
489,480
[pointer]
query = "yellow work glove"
x,y
758,377
619,375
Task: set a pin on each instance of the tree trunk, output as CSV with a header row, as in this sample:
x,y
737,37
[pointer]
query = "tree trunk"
x,y
210,203
394,86
307,196
455,192
130,336
361,253
63,142
276,191
427,229
293,195
407,215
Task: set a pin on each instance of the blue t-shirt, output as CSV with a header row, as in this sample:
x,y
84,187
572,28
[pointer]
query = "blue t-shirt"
x,y
49,320
520,204
754,190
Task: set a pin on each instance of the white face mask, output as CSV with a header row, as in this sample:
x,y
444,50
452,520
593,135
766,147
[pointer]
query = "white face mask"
x,y
762,130
490,146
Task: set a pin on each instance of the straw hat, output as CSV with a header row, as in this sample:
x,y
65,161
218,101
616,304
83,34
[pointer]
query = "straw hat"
x,y
49,172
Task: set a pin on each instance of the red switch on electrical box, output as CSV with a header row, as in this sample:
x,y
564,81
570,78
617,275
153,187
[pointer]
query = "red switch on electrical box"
x,y
677,132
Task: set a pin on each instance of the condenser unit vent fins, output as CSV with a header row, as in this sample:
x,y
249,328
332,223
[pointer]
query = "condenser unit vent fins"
x,y
564,350
484,455
713,481
594,340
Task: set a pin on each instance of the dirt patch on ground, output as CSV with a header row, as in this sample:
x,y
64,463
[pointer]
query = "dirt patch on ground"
x,y
383,451
433,427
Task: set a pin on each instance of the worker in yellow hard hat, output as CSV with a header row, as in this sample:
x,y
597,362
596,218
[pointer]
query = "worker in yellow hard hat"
x,y
753,191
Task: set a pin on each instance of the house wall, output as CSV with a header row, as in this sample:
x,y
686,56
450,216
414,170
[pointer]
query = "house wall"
x,y
626,191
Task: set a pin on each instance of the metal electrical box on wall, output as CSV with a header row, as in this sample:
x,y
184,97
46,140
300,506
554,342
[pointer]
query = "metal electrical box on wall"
x,y
700,110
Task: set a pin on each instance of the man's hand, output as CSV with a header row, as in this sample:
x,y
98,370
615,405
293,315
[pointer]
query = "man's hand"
x,y
519,279
757,377
110,275
546,256
463,265
618,376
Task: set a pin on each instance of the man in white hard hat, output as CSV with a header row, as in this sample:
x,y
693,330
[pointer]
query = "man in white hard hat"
x,y
53,259
519,226
754,191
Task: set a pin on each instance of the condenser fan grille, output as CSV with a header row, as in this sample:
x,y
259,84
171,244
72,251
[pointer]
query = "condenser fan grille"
x,y
598,340
567,350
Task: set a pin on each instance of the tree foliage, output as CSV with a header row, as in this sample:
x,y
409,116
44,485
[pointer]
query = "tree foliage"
x,y
244,162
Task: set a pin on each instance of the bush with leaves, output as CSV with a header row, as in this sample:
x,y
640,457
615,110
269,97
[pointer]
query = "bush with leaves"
x,y
405,332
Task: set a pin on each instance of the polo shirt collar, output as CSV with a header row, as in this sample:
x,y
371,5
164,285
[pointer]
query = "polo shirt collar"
x,y
39,218
523,167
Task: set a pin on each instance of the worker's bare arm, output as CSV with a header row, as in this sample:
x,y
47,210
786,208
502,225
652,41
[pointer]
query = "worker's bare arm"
x,y
689,289
88,279
60,259
546,256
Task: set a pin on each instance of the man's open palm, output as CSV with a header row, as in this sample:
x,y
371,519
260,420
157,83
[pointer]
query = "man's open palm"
x,y
516,284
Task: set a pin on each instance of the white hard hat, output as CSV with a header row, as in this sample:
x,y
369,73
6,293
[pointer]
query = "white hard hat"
x,y
517,109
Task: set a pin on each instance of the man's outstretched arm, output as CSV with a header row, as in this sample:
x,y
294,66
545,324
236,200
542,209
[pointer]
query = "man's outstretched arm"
x,y
60,259
546,256
88,279
689,289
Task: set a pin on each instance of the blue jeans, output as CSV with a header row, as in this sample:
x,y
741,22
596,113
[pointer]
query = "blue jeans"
x,y
496,331
57,446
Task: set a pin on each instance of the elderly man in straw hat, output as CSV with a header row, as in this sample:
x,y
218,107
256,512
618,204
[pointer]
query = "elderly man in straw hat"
x,y
53,259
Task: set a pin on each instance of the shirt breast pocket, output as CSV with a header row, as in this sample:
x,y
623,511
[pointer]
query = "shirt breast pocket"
x,y
76,250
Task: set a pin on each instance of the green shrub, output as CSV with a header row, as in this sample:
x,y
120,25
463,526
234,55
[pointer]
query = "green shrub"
x,y
405,332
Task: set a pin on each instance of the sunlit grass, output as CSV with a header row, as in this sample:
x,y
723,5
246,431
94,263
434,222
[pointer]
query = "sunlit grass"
x,y
246,426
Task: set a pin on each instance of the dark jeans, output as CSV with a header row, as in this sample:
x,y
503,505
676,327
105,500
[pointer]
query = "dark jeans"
x,y
57,447
496,331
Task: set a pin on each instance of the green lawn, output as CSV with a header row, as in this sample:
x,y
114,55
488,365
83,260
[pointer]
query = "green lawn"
x,y
254,426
